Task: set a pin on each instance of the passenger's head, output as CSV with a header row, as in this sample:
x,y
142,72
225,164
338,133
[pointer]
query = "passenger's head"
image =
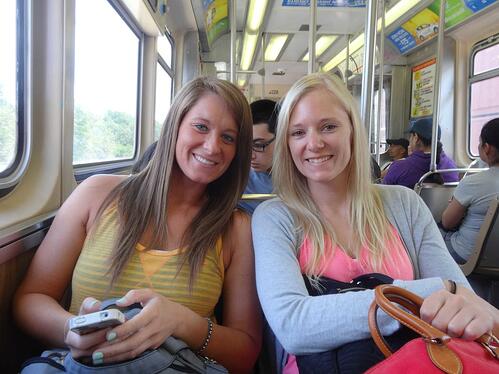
x,y
207,137
421,133
489,142
264,114
319,137
397,148
142,162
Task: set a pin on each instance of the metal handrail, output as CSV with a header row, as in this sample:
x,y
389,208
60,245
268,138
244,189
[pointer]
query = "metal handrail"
x,y
258,196
442,171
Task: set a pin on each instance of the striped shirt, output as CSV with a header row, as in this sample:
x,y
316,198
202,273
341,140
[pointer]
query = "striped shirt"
x,y
147,268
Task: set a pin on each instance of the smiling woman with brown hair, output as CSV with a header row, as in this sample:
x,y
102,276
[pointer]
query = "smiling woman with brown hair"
x,y
168,237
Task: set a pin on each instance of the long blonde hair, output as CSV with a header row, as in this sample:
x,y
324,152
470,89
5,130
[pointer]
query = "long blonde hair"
x,y
366,208
141,199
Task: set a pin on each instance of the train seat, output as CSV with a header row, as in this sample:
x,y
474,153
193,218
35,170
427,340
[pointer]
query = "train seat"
x,y
436,197
484,259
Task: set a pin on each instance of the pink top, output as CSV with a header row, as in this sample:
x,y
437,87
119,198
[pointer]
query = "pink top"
x,y
342,267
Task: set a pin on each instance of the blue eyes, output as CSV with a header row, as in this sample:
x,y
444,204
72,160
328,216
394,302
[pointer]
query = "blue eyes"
x,y
328,127
229,139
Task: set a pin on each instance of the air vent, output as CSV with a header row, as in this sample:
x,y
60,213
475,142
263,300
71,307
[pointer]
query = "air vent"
x,y
306,27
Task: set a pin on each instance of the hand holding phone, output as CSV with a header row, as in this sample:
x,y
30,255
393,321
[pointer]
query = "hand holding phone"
x,y
87,323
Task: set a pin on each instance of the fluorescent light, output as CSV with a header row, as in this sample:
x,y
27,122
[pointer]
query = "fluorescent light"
x,y
274,46
321,45
393,14
256,13
249,45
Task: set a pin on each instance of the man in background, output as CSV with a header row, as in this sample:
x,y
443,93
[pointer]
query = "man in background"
x,y
264,114
397,150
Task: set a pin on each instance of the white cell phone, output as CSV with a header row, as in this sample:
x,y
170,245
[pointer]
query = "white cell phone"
x,y
87,323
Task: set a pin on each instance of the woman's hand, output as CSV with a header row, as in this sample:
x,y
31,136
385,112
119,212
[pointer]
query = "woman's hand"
x,y
159,319
462,315
85,345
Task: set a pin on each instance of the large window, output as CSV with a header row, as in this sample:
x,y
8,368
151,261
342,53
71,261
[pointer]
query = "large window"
x,y
164,83
11,90
484,82
107,50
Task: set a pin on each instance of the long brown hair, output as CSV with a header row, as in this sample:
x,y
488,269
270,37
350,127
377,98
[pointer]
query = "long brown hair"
x,y
141,199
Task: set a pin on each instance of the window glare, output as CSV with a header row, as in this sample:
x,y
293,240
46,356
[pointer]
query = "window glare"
x,y
483,108
487,59
8,80
163,98
165,50
105,88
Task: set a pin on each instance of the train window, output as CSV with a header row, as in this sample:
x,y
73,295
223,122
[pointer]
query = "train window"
x,y
484,79
164,82
13,127
106,82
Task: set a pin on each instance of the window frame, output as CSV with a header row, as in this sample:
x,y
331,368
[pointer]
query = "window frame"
x,y
169,70
475,78
11,176
83,171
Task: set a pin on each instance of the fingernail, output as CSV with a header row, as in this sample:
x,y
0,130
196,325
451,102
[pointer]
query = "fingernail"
x,y
111,336
97,356
93,303
121,301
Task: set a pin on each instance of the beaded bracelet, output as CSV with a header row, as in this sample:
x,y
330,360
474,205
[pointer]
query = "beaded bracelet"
x,y
453,286
208,337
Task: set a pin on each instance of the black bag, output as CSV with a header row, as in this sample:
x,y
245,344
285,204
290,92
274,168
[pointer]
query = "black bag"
x,y
355,357
173,356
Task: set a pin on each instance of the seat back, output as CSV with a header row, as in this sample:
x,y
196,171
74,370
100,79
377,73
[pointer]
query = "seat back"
x,y
484,259
436,197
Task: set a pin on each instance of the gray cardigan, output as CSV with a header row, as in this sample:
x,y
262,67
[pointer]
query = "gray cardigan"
x,y
304,324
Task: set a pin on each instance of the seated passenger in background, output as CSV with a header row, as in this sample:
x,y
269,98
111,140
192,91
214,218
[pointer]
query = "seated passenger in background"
x,y
168,237
144,159
330,220
408,172
397,150
471,199
264,114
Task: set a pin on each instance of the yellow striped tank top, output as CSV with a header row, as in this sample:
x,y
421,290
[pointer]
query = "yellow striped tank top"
x,y
147,268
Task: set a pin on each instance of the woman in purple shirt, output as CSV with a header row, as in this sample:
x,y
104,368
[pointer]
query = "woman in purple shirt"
x,y
407,172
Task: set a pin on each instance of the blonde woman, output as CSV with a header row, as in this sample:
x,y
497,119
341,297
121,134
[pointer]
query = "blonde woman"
x,y
167,237
329,220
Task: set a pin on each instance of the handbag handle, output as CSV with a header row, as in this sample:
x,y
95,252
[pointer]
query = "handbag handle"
x,y
385,296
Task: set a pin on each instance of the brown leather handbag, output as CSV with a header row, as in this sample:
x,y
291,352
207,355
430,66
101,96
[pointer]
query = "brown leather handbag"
x,y
434,351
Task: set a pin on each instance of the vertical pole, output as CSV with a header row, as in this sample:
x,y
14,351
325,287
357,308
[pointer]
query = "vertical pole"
x,y
381,64
436,87
347,61
368,68
233,30
311,36
263,66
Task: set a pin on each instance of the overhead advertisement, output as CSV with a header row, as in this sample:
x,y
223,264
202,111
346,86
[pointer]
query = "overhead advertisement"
x,y
216,19
424,25
423,83
327,3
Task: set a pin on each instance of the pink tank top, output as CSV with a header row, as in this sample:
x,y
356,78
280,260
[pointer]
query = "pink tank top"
x,y
342,267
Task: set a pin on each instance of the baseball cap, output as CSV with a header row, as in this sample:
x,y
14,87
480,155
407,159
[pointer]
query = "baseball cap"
x,y
423,127
401,141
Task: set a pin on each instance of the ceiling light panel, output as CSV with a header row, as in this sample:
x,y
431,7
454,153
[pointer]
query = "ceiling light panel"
x,y
249,45
323,43
256,13
274,46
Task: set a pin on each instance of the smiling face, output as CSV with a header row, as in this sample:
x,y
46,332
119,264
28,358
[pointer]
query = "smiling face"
x,y
206,142
320,136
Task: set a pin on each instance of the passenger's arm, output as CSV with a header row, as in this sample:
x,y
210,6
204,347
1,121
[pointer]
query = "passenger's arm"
x,y
303,324
453,214
235,344
36,303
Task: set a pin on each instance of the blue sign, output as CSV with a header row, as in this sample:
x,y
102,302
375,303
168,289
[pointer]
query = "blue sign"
x,y
402,39
328,3
477,5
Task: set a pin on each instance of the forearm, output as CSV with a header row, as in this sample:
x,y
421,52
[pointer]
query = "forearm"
x,y
41,316
233,348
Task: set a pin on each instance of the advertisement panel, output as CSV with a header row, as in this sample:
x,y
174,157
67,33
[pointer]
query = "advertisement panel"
x,y
327,3
216,19
423,83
